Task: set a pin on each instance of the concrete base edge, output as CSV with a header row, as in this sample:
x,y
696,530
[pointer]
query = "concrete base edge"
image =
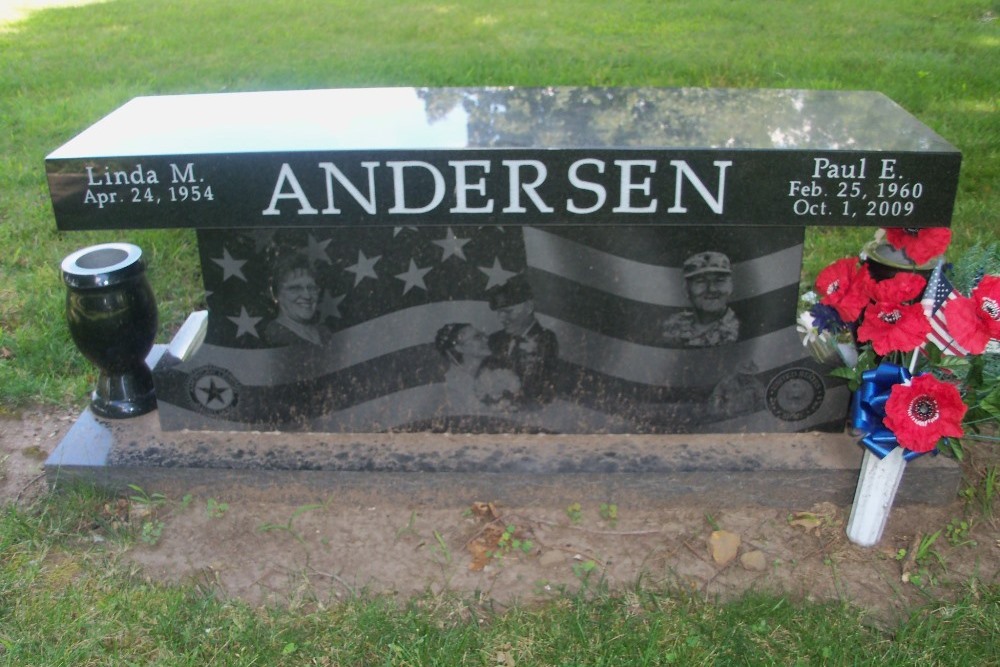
x,y
414,469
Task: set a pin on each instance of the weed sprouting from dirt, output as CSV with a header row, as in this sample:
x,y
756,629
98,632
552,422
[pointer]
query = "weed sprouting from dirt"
x,y
216,509
287,527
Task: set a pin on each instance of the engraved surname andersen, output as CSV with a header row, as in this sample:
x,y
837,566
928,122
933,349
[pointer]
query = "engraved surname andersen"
x,y
589,185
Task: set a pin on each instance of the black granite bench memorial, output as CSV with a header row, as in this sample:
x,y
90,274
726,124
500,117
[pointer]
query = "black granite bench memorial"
x,y
501,261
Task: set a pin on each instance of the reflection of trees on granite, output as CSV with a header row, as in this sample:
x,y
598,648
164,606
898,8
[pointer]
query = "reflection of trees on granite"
x,y
680,118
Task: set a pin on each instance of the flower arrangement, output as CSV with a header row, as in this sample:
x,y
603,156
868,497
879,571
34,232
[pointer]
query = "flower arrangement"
x,y
921,356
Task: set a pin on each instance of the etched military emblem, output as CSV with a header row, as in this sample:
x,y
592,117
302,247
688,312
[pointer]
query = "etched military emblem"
x,y
213,389
795,394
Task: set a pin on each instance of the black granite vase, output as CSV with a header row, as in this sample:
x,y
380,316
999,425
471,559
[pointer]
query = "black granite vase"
x,y
112,318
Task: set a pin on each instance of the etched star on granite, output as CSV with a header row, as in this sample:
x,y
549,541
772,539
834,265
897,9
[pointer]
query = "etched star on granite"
x,y
330,305
262,238
245,324
497,274
451,245
316,250
230,266
365,268
413,277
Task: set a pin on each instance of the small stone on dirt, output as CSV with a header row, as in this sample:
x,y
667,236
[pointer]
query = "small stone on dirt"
x,y
754,561
723,546
551,558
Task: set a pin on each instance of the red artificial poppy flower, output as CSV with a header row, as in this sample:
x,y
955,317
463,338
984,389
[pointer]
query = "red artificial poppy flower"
x,y
894,327
975,320
919,245
924,411
845,286
900,288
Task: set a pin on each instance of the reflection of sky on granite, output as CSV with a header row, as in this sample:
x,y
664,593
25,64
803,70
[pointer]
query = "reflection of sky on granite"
x,y
448,118
375,118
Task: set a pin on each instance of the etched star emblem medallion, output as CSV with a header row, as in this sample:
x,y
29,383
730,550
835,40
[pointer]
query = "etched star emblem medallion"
x,y
213,389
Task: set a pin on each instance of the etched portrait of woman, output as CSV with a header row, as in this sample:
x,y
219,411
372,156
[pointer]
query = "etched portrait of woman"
x,y
296,295
473,378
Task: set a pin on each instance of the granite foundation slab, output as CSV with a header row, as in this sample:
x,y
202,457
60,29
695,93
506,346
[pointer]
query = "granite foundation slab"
x,y
414,469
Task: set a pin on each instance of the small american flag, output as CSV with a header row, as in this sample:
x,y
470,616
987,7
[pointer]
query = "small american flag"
x,y
939,291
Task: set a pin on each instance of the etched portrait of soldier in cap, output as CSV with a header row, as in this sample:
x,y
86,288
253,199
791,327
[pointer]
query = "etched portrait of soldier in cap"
x,y
523,344
708,283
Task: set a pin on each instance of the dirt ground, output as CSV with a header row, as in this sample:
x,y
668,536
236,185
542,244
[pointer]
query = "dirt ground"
x,y
274,553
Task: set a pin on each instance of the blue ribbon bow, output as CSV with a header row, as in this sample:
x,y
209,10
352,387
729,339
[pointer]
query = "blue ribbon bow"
x,y
868,409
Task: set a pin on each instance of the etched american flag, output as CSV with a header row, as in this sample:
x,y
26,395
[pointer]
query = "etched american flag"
x,y
603,291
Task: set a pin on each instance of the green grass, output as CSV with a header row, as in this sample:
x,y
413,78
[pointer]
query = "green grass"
x,y
64,68
66,600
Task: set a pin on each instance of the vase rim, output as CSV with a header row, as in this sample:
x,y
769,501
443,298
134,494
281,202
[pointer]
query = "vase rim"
x,y
884,253
102,265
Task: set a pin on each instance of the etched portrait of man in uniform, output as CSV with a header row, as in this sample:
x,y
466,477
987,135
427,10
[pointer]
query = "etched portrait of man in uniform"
x,y
523,344
708,284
